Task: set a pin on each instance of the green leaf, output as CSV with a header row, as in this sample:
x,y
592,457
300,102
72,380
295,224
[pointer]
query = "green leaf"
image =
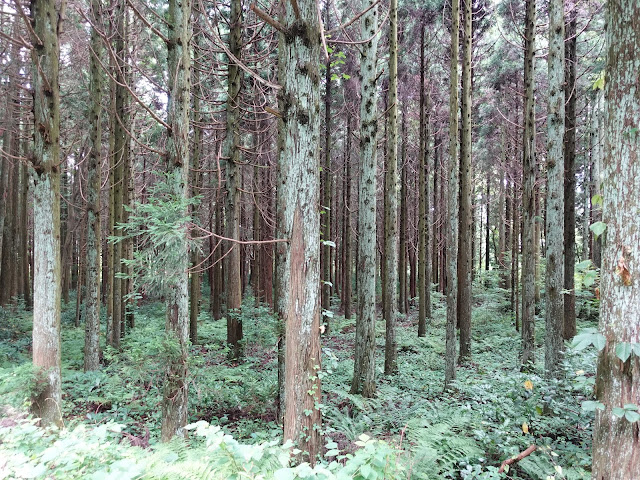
x,y
596,199
599,341
623,351
583,265
599,82
618,412
636,349
590,278
631,416
592,406
598,228
581,341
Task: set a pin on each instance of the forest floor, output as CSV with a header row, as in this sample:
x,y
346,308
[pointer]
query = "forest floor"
x,y
492,413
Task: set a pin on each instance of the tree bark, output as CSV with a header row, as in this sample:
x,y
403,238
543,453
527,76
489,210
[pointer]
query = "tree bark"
x,y
465,232
298,220
452,204
569,328
47,403
554,279
365,344
616,445
390,284
528,192
233,179
175,386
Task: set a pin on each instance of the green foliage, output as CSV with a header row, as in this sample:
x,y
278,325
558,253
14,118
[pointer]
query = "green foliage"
x,y
160,226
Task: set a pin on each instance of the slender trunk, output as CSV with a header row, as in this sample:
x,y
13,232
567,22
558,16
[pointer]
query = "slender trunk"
x,y
554,239
175,386
390,284
298,220
569,327
346,288
364,369
465,252
452,204
233,179
325,256
47,402
528,192
403,306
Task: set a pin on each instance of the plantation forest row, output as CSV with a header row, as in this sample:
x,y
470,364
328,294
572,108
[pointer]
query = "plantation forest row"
x,y
298,184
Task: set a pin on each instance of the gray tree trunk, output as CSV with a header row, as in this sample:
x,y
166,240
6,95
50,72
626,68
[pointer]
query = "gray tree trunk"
x,y
47,403
616,446
298,220
233,179
390,284
94,180
175,387
528,192
452,204
364,371
465,232
554,279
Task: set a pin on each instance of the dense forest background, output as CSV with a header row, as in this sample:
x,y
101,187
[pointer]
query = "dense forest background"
x,y
397,237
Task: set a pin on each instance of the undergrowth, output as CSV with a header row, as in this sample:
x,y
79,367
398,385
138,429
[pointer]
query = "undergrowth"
x,y
492,412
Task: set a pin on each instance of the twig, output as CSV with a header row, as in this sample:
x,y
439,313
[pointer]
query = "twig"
x,y
521,455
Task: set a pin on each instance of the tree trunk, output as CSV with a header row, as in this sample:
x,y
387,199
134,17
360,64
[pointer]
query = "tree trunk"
x,y
424,276
233,178
94,180
175,386
452,204
298,220
465,252
47,403
403,304
325,257
346,288
528,192
569,327
364,370
554,279
390,284
616,445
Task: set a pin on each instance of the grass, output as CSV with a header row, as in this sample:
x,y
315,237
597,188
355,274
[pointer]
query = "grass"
x,y
493,412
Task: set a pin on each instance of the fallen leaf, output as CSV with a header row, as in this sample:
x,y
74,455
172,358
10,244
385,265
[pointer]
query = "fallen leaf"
x,y
623,272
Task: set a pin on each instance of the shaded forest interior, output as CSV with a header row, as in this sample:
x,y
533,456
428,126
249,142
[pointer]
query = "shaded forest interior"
x,y
360,244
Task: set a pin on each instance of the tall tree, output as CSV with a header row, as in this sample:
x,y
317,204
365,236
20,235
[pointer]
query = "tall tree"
x,y
298,220
616,446
233,179
424,265
326,216
569,327
47,404
528,191
452,203
94,180
364,370
174,389
390,283
465,232
554,279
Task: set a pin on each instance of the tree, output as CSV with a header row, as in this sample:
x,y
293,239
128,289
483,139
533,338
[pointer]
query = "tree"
x,y
391,201
298,220
174,389
452,203
465,251
554,280
615,438
365,347
47,404
233,174
570,93
528,190
94,178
